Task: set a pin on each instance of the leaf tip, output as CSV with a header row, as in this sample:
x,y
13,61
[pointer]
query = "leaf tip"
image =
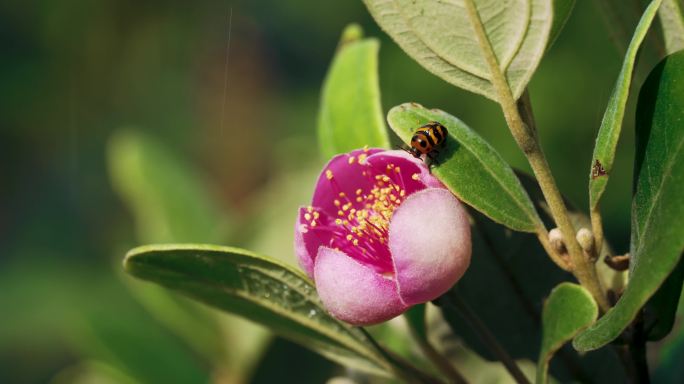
x,y
352,32
591,338
134,255
579,343
130,258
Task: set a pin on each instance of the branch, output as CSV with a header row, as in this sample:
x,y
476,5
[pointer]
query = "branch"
x,y
526,137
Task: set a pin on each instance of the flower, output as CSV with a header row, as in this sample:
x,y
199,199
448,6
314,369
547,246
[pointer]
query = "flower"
x,y
382,234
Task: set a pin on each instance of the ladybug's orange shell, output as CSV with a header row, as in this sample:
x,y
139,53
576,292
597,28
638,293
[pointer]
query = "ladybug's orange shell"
x,y
428,136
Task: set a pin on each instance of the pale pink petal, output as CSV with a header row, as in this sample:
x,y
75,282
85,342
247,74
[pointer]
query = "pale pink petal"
x,y
429,238
353,292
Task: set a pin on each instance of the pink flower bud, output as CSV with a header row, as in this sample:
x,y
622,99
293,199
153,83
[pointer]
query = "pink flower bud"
x,y
381,235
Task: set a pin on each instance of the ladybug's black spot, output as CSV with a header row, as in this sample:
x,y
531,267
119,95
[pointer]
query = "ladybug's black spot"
x,y
428,137
438,134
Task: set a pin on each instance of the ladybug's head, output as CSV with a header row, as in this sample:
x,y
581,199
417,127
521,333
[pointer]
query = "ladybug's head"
x,y
415,152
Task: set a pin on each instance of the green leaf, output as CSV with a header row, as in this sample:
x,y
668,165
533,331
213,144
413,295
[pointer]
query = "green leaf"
x,y
661,309
658,205
561,13
672,21
260,289
164,194
471,168
440,36
609,133
568,310
350,114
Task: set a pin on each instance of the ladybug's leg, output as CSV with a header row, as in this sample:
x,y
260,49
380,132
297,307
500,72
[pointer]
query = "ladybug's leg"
x,y
429,160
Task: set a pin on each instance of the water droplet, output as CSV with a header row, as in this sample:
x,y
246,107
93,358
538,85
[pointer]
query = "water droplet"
x,y
312,313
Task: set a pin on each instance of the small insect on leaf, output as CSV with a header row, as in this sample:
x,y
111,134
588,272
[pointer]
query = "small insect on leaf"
x,y
597,170
426,140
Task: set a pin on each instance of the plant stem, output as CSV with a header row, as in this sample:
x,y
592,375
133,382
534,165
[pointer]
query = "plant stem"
x,y
597,228
623,354
486,336
583,268
401,368
633,354
437,358
525,136
637,350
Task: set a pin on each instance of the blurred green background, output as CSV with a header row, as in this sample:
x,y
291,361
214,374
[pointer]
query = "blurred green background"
x,y
128,122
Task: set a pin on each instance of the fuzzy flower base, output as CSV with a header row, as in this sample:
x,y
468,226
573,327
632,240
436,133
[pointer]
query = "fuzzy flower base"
x,y
381,235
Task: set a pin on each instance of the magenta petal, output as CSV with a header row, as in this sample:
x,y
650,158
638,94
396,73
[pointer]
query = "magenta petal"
x,y
409,165
309,238
429,238
353,292
347,177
